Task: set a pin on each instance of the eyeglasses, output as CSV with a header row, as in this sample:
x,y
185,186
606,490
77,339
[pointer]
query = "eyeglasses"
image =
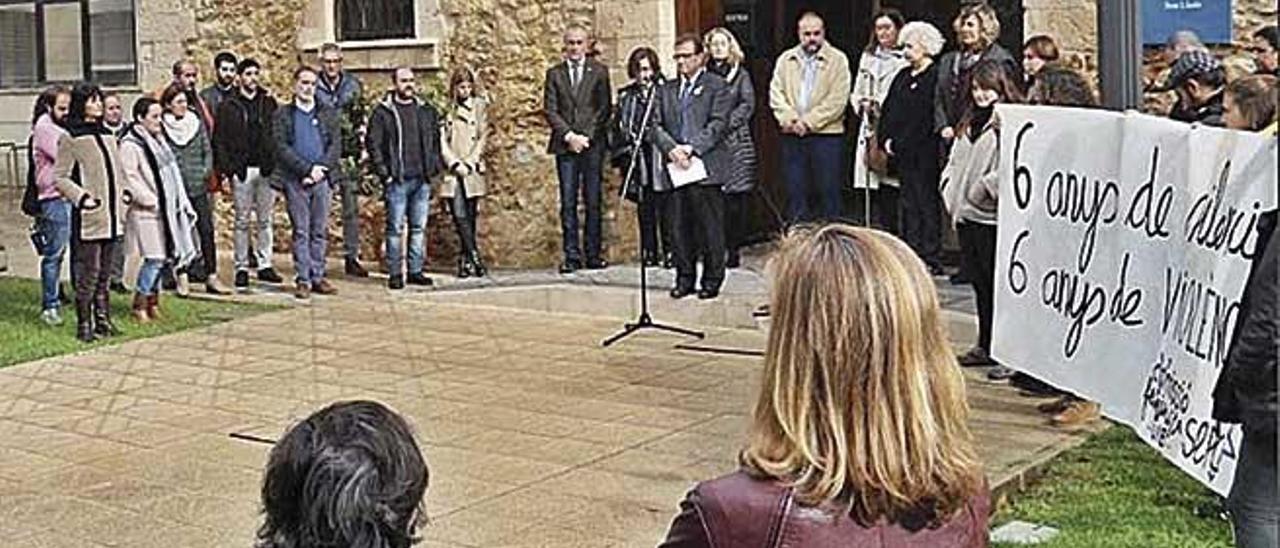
x,y
682,56
332,61
575,42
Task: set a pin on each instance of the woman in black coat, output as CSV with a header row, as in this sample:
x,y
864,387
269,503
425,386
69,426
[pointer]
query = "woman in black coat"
x,y
633,102
908,134
727,62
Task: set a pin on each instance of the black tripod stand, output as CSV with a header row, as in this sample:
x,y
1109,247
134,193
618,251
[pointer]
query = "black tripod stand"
x,y
645,321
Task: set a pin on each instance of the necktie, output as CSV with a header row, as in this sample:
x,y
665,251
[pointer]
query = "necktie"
x,y
575,73
685,88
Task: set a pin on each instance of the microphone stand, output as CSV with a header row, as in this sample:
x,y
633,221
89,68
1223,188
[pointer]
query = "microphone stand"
x,y
645,320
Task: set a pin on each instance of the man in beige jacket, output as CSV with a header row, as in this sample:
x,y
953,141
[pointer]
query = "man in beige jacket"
x,y
808,95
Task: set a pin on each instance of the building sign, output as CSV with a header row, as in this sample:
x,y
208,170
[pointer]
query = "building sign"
x,y
1211,19
1125,241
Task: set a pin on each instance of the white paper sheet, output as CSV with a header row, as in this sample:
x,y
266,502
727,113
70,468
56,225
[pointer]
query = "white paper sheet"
x,y
696,173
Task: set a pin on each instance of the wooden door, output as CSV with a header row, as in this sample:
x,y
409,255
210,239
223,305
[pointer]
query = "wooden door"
x,y
698,16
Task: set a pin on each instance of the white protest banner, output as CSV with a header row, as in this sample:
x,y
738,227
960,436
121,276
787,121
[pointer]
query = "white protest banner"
x,y
1125,242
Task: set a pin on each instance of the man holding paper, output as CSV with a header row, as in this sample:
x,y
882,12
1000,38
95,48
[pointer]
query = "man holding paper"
x,y
690,120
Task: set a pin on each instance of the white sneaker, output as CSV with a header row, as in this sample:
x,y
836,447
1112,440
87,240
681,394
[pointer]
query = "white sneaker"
x,y
184,285
51,317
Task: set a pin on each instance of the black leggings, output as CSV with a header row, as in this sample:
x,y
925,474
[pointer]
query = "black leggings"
x,y
978,245
464,212
92,268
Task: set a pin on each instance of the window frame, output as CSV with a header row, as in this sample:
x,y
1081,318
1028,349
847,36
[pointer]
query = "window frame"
x,y
86,42
336,30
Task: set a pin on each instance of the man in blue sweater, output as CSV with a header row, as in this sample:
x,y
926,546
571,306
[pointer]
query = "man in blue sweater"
x,y
308,145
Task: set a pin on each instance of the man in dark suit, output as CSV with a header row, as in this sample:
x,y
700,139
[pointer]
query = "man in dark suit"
x,y
690,123
577,99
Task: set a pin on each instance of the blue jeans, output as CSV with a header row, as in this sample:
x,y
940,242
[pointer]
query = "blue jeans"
x,y
408,198
580,173
55,229
813,165
148,274
309,215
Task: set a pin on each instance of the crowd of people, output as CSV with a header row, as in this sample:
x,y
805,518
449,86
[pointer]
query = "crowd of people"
x,y
107,185
886,464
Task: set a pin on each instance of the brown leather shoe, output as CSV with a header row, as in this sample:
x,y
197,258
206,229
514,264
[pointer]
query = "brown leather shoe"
x,y
153,306
1078,413
140,314
323,287
302,290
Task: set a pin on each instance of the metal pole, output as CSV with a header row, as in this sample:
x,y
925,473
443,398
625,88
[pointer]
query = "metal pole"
x,y
1120,53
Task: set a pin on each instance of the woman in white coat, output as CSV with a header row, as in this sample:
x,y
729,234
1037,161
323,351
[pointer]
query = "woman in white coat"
x,y
879,63
462,138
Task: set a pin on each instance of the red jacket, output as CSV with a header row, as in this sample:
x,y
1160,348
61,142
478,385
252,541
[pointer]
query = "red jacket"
x,y
738,511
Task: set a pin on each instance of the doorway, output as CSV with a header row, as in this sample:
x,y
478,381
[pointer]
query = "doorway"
x,y
766,28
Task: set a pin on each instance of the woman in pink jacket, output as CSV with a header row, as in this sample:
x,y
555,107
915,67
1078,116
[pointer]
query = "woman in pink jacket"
x,y
160,218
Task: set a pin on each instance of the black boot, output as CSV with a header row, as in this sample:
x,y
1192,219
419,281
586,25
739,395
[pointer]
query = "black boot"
x,y
477,265
102,325
84,321
464,268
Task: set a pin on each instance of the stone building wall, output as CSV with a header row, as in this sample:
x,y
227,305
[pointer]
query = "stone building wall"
x,y
510,43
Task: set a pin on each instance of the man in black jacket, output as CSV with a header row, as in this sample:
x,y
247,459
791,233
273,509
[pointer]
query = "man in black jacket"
x,y
578,103
1246,394
690,124
242,156
308,144
404,147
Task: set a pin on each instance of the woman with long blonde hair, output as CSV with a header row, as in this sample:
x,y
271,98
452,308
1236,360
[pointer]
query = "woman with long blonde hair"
x,y
859,435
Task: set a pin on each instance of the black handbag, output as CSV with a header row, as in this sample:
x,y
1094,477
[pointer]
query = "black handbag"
x,y
31,194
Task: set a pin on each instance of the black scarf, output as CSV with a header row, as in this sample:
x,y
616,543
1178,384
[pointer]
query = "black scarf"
x,y
719,68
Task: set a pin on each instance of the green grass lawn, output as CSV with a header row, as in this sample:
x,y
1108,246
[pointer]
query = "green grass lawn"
x,y
1114,490
23,337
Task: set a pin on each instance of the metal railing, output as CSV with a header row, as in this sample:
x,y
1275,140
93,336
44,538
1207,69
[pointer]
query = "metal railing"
x,y
13,166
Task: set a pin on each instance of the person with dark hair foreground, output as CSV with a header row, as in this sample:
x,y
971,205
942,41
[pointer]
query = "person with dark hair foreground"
x,y
350,475
841,452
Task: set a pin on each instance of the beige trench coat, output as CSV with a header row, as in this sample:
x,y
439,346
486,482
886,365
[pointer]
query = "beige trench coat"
x,y
462,140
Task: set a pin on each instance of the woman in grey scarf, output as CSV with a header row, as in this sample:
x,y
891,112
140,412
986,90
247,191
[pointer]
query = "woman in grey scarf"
x,y
161,220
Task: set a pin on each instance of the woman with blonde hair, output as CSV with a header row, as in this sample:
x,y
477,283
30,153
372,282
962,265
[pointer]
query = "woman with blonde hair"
x,y
726,60
462,137
977,29
860,434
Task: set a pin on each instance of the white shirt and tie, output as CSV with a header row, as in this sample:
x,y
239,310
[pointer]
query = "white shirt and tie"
x,y
575,77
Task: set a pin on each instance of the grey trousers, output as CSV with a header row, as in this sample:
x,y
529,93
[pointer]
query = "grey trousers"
x,y
254,198
350,218
1254,500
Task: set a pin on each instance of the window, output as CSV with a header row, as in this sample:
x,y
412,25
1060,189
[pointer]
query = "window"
x,y
374,19
45,41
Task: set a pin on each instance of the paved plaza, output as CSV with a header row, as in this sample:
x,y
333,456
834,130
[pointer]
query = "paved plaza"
x,y
535,435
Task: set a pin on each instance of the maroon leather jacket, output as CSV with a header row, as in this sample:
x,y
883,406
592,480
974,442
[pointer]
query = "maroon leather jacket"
x,y
738,511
